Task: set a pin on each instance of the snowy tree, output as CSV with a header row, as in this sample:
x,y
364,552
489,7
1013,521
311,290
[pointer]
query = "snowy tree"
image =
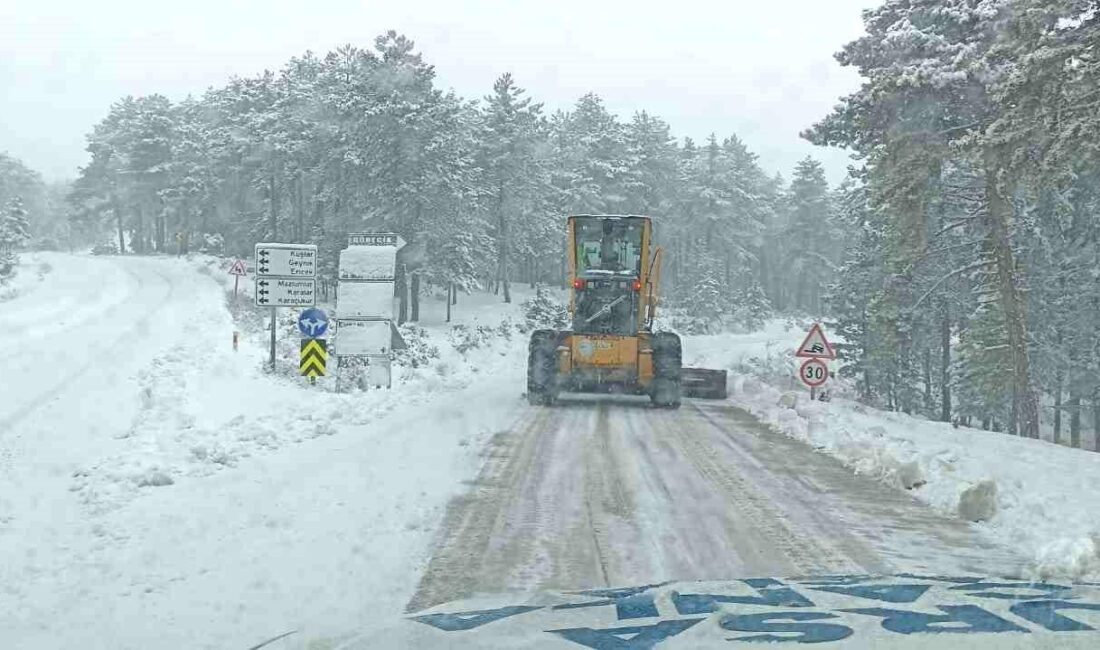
x,y
516,179
14,226
808,237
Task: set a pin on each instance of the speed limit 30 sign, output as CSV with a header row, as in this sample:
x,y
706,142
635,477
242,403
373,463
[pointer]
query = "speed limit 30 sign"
x,y
814,372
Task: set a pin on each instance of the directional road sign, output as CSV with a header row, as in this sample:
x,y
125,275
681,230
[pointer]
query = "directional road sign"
x,y
314,357
815,345
237,268
288,260
375,239
285,292
312,323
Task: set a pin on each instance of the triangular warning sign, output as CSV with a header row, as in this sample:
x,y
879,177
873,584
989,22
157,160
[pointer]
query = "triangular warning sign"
x,y
816,346
237,268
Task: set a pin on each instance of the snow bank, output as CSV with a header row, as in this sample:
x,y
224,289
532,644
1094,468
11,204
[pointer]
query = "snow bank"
x,y
31,270
1030,495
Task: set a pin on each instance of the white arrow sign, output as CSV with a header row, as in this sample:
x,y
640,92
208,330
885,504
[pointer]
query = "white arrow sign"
x,y
293,260
286,292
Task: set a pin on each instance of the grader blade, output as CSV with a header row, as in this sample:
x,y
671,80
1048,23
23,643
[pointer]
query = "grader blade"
x,y
703,383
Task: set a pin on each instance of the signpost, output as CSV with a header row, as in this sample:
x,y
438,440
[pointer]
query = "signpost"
x,y
286,276
364,303
815,348
237,270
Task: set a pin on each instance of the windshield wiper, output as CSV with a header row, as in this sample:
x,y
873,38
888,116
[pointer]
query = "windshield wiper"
x,y
606,309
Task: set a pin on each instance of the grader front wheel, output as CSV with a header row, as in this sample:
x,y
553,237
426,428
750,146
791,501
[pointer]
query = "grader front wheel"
x,y
667,363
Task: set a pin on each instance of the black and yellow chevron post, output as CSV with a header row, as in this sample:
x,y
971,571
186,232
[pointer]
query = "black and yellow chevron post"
x,y
314,357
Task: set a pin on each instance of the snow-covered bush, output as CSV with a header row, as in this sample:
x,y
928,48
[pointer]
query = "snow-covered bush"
x,y
8,260
465,338
46,243
543,311
212,244
418,350
751,308
105,248
683,322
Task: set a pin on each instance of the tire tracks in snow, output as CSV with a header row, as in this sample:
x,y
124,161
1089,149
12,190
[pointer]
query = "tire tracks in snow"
x,y
593,493
805,552
464,554
9,436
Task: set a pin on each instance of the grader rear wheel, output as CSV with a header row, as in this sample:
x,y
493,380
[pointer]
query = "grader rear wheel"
x,y
542,368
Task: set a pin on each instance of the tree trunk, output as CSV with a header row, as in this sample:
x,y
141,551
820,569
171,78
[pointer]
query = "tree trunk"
x,y
450,290
414,297
945,363
301,208
1058,379
502,225
139,231
1074,406
273,215
454,294
1095,420
159,227
1025,407
118,224
402,295
926,364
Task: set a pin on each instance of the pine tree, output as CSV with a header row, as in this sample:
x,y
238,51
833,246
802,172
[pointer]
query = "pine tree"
x,y
808,236
14,226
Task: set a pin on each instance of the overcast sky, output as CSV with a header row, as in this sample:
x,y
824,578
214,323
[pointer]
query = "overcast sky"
x,y
758,68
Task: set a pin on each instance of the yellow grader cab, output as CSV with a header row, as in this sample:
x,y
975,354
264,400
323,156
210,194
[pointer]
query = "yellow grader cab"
x,y
612,348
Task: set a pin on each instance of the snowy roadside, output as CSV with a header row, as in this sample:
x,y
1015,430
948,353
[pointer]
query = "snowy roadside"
x,y
1042,495
204,408
230,505
29,273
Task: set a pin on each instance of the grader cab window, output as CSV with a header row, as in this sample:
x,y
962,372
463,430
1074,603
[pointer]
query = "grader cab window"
x,y
609,260
609,245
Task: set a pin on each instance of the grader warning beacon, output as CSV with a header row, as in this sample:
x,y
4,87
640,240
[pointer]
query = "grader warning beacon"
x,y
614,271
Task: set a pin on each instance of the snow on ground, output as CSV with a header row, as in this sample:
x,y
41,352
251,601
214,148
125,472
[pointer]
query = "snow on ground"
x,y
29,274
158,489
1045,495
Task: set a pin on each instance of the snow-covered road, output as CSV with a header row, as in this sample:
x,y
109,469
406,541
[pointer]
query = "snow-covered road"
x,y
596,494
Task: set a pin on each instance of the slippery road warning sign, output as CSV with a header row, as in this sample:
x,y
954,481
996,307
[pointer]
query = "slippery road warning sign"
x,y
314,357
815,345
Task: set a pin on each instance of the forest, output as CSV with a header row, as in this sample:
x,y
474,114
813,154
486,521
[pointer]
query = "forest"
x,y
959,260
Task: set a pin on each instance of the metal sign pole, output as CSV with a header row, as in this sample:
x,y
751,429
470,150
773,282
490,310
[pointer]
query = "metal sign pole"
x,y
273,311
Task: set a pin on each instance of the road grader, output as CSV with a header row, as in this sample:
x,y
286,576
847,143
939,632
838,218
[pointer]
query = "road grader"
x,y
611,346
